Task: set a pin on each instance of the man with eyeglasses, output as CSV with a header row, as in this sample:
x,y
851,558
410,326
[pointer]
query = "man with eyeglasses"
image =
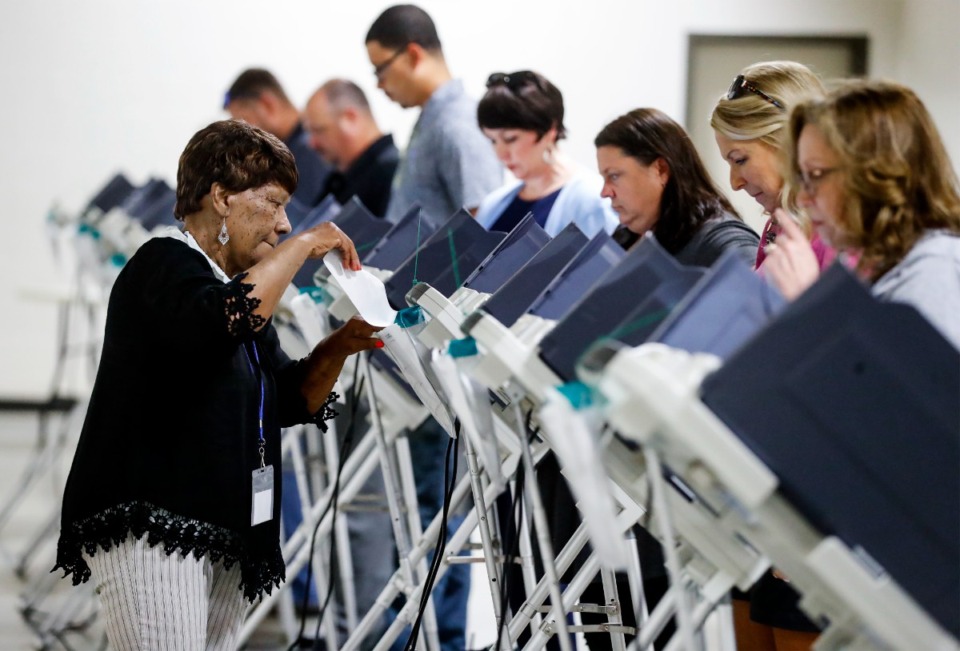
x,y
448,165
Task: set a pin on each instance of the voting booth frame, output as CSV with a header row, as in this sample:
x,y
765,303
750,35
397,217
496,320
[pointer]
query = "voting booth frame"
x,y
497,339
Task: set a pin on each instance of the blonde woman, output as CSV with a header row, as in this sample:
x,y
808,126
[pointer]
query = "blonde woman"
x,y
749,124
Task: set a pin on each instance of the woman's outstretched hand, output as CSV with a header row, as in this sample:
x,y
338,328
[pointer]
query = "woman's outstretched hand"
x,y
326,360
352,337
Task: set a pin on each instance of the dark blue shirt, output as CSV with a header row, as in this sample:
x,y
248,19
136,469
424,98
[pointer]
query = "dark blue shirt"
x,y
519,208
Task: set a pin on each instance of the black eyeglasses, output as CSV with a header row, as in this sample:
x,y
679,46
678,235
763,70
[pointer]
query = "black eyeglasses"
x,y
740,84
513,80
382,68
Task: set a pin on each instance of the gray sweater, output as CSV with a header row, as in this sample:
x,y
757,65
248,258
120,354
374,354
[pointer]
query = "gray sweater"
x,y
928,278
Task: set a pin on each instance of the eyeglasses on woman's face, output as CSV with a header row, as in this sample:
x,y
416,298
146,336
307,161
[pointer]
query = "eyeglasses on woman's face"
x,y
810,179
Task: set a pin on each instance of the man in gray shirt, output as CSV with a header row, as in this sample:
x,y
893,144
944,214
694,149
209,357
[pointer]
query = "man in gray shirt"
x,y
448,163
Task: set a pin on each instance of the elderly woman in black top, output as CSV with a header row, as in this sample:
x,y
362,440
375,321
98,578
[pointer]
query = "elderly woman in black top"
x,y
173,498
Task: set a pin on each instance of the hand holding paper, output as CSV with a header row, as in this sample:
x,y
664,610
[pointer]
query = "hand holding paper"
x,y
364,290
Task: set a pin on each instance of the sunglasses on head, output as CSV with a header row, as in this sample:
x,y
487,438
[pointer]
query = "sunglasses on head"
x,y
740,85
513,80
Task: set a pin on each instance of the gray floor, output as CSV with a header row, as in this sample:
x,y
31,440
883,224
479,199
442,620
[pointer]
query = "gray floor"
x,y
18,444
17,438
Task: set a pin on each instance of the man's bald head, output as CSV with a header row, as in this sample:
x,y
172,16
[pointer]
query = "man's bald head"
x,y
343,94
340,122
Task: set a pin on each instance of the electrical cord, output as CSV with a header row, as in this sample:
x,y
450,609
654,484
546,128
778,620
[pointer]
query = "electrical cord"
x,y
516,515
347,445
344,453
449,480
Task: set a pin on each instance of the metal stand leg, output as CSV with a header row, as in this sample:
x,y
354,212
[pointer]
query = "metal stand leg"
x,y
658,619
49,532
345,585
322,579
567,601
358,467
420,551
726,634
528,566
47,453
532,494
415,532
492,552
400,490
698,617
635,578
615,617
539,593
685,627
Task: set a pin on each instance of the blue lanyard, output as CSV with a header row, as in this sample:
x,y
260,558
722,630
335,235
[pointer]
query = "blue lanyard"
x,y
261,442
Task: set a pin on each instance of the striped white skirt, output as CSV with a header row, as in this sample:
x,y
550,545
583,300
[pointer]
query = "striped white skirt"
x,y
158,602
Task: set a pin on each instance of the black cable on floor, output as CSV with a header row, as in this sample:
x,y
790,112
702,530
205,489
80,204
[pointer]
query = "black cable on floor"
x,y
516,515
449,480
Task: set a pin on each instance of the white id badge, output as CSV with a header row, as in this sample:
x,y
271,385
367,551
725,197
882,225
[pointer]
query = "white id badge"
x,y
262,510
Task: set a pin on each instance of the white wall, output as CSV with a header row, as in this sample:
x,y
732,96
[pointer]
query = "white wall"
x,y
93,87
930,63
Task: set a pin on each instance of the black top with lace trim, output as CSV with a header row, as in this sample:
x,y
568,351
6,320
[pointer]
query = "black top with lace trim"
x,y
170,437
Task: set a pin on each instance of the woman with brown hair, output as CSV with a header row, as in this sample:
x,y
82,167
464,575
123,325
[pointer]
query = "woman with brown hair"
x,y
873,176
657,183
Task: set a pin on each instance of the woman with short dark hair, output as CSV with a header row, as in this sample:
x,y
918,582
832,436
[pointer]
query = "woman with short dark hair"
x,y
522,115
172,503
657,183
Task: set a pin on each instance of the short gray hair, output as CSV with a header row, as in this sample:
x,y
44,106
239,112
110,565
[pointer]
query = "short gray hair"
x,y
343,93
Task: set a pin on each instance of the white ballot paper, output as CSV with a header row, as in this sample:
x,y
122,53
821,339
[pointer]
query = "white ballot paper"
x,y
576,449
470,403
411,357
364,290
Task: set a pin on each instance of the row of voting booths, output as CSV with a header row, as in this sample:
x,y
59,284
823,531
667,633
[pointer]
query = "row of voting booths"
x,y
819,437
